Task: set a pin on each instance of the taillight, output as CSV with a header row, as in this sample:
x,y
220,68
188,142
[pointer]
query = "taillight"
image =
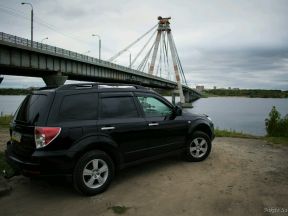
x,y
45,135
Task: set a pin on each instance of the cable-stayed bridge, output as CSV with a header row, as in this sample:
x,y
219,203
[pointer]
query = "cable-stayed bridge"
x,y
159,68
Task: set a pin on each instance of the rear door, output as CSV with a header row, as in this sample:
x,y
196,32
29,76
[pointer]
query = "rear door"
x,y
76,113
120,119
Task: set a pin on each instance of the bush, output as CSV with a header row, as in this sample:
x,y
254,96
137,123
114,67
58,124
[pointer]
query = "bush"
x,y
275,125
5,120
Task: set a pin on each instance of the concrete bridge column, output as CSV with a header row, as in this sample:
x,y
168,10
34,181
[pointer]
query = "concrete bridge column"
x,y
187,97
54,80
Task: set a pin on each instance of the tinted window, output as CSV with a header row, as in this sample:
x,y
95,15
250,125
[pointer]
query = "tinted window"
x,y
118,107
79,107
30,109
153,107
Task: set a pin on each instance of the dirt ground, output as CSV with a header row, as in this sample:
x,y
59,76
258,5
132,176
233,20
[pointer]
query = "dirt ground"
x,y
241,177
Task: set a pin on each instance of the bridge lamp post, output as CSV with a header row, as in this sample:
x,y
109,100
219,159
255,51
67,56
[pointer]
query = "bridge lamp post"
x,y
46,38
99,47
25,3
129,58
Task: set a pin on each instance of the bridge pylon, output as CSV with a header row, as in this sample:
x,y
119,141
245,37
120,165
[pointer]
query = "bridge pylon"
x,y
164,27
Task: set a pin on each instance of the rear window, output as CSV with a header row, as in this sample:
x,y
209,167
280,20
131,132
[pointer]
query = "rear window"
x,y
118,107
79,107
30,109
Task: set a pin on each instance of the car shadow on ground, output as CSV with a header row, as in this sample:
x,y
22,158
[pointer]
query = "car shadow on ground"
x,y
63,186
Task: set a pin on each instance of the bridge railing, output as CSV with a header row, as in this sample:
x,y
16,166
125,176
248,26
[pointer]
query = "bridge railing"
x,y
56,50
45,47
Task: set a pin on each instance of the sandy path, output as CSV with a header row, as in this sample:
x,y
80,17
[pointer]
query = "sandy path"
x,y
241,177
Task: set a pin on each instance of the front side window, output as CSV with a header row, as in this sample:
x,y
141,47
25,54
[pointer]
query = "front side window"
x,y
153,107
118,107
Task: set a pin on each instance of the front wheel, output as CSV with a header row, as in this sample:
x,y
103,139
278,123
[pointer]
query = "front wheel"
x,y
93,173
198,147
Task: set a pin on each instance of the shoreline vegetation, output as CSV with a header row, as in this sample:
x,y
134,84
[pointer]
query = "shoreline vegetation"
x,y
251,93
16,91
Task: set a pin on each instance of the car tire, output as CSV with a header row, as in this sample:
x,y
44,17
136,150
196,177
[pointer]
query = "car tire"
x,y
93,173
198,147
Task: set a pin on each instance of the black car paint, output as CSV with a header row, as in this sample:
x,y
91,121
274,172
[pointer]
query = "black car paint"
x,y
132,140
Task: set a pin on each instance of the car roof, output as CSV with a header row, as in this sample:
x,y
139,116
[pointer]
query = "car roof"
x,y
101,87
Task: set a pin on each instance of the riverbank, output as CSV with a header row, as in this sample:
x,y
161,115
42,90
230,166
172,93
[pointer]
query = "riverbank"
x,y
15,91
240,177
250,93
235,134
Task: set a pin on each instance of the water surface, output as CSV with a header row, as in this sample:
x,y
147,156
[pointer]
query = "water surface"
x,y
235,113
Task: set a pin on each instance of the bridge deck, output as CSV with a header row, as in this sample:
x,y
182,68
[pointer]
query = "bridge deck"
x,y
18,56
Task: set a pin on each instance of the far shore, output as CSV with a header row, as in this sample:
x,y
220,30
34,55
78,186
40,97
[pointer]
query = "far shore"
x,y
248,93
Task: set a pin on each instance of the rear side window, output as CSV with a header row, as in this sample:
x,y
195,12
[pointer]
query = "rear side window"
x,y
79,107
118,107
32,108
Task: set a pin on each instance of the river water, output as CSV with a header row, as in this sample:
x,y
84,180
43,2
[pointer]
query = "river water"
x,y
235,113
240,114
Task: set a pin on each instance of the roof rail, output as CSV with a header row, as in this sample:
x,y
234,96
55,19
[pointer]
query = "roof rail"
x,y
45,88
99,86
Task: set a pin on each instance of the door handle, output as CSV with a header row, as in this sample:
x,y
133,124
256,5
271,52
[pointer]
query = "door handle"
x,y
107,128
153,124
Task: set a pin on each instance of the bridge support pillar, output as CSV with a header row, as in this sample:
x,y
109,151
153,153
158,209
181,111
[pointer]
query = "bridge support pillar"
x,y
190,96
54,80
187,97
174,94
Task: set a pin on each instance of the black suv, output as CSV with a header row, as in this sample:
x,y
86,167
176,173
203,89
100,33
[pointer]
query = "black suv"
x,y
89,131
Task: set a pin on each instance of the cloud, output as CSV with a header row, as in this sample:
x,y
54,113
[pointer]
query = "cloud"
x,y
223,43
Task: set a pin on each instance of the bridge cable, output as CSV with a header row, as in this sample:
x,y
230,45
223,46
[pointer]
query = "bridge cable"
x,y
159,59
179,62
146,60
145,45
146,57
130,45
165,55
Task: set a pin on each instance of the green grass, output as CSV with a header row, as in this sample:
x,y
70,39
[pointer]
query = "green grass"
x,y
232,133
5,166
277,140
119,209
236,134
5,121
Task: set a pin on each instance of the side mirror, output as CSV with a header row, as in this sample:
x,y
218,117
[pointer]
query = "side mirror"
x,y
177,110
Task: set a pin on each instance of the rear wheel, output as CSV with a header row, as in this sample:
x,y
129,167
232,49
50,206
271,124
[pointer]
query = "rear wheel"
x,y
198,147
93,173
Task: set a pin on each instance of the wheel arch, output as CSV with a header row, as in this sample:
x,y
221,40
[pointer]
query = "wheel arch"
x,y
201,126
97,143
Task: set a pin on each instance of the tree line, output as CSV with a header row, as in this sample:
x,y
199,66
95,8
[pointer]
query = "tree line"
x,y
252,93
15,91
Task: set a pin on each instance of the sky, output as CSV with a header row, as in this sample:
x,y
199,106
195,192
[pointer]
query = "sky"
x,y
222,43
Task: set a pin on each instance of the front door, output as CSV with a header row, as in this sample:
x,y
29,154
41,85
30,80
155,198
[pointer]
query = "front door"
x,y
166,132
